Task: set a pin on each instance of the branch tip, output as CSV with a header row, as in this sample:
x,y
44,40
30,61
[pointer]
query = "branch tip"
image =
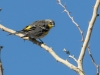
x,y
58,1
67,52
64,50
72,19
1,47
0,9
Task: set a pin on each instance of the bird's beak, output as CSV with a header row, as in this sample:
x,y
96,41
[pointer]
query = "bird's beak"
x,y
53,25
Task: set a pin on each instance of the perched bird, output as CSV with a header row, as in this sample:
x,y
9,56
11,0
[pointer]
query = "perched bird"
x,y
38,29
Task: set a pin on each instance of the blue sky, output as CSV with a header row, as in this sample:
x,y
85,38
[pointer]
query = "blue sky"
x,y
21,57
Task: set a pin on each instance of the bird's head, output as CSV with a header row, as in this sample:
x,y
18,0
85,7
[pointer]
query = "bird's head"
x,y
50,23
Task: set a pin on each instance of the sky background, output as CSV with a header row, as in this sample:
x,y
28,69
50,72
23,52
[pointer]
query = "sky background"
x,y
21,57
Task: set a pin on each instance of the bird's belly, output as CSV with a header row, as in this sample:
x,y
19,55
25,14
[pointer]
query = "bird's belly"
x,y
40,35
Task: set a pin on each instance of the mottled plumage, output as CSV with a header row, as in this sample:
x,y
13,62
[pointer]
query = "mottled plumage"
x,y
37,29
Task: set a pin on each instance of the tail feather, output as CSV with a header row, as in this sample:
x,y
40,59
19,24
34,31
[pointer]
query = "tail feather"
x,y
17,32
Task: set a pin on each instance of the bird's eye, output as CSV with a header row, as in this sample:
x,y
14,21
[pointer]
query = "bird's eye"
x,y
51,23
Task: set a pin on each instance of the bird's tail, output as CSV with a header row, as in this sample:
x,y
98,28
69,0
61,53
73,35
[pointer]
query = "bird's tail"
x,y
17,32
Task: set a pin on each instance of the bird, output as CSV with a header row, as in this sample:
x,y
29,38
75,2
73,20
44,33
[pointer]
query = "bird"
x,y
37,29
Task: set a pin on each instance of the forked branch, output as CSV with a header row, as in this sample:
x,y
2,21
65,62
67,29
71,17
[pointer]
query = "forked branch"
x,y
89,31
88,35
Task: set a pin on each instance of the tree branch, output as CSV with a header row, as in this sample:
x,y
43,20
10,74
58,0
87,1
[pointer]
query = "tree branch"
x,y
72,19
88,35
1,68
1,47
97,66
45,47
89,31
72,56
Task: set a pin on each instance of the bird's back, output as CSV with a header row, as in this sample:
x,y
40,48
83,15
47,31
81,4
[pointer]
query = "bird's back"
x,y
37,29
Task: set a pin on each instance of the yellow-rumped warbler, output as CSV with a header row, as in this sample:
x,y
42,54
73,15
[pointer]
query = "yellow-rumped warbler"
x,y
37,29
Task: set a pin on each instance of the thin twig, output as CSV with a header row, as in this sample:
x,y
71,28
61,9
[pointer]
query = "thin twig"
x,y
97,66
67,52
1,47
1,67
0,9
72,56
68,13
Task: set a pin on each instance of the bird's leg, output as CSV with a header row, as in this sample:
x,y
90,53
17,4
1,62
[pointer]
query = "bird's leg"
x,y
41,41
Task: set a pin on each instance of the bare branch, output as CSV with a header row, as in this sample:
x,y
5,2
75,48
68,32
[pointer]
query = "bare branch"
x,y
1,47
88,35
91,24
97,66
67,52
68,13
72,56
45,47
0,9
1,68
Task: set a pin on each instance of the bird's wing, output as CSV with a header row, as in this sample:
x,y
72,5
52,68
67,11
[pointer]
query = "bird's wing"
x,y
34,25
